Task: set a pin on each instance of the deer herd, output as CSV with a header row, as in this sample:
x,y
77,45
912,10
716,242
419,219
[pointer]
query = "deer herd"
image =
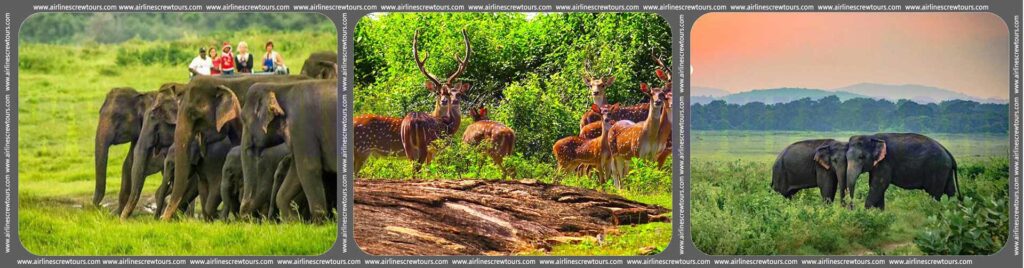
x,y
610,135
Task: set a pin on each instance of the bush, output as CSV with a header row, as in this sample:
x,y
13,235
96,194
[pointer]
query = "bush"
x,y
979,225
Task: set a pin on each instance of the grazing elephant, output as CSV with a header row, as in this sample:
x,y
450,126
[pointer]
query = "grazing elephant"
x,y
907,160
305,115
810,163
257,185
322,65
231,183
206,115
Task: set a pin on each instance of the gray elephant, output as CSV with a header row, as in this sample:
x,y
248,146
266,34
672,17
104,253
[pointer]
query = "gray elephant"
x,y
206,115
231,183
907,160
304,114
257,187
120,122
322,65
810,163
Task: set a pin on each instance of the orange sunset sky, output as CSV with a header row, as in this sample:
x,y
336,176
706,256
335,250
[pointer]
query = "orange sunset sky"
x,y
962,52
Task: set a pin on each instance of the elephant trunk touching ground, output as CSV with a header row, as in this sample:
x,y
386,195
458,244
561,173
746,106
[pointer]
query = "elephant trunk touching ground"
x,y
119,123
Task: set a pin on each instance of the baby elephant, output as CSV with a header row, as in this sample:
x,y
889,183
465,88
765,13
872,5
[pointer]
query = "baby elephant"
x,y
231,183
811,163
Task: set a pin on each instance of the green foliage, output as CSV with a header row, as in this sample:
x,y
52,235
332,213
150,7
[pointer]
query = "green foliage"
x,y
532,64
645,176
976,226
858,114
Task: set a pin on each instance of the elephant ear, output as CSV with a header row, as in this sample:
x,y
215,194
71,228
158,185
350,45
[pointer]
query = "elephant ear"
x,y
820,156
273,109
142,103
227,107
880,151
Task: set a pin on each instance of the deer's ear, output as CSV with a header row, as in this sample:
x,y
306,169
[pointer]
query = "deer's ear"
x,y
586,80
594,108
609,80
661,74
615,107
430,86
463,87
483,111
644,89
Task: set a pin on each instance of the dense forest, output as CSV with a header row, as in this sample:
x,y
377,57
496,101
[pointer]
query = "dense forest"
x,y
110,28
859,114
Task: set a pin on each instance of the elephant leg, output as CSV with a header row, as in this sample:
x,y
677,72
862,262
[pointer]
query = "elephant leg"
x,y
827,186
289,189
879,183
212,199
230,199
126,180
310,177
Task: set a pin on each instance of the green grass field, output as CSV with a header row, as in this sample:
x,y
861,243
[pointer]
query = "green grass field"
x,y
734,211
61,90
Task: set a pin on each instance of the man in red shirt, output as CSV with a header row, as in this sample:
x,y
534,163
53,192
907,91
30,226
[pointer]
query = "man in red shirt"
x,y
226,61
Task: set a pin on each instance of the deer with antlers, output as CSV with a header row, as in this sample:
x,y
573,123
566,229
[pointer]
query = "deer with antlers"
x,y
647,139
376,134
497,138
572,151
419,130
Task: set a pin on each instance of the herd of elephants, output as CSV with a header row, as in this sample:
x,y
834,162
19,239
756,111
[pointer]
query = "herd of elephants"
x,y
265,145
239,139
907,160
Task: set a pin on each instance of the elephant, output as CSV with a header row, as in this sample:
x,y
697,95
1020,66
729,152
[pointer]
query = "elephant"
x,y
304,114
907,160
206,115
286,169
168,180
810,163
257,186
230,183
150,150
120,122
322,65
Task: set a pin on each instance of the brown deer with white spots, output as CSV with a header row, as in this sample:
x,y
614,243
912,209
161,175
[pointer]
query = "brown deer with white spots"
x,y
639,139
572,151
419,130
499,138
382,135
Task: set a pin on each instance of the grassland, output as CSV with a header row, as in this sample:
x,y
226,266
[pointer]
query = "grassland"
x,y
735,212
61,90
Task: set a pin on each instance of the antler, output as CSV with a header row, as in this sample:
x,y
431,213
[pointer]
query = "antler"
x,y
420,63
462,61
668,72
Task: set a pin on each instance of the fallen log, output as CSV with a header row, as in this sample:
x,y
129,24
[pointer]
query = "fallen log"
x,y
473,217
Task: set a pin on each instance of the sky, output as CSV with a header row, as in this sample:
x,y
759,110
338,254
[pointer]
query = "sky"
x,y
962,52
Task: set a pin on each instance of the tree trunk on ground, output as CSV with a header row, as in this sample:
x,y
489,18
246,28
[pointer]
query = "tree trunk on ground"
x,y
473,217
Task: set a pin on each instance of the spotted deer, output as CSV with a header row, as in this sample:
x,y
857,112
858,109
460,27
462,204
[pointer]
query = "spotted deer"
x,y
639,139
498,139
419,130
572,151
381,135
665,133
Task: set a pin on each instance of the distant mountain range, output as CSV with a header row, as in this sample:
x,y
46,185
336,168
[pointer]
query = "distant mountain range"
x,y
916,93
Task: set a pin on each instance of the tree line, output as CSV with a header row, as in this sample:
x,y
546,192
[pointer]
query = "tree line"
x,y
858,114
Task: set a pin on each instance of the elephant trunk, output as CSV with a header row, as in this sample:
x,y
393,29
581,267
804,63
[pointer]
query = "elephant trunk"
x,y
249,171
853,171
182,166
142,153
104,138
